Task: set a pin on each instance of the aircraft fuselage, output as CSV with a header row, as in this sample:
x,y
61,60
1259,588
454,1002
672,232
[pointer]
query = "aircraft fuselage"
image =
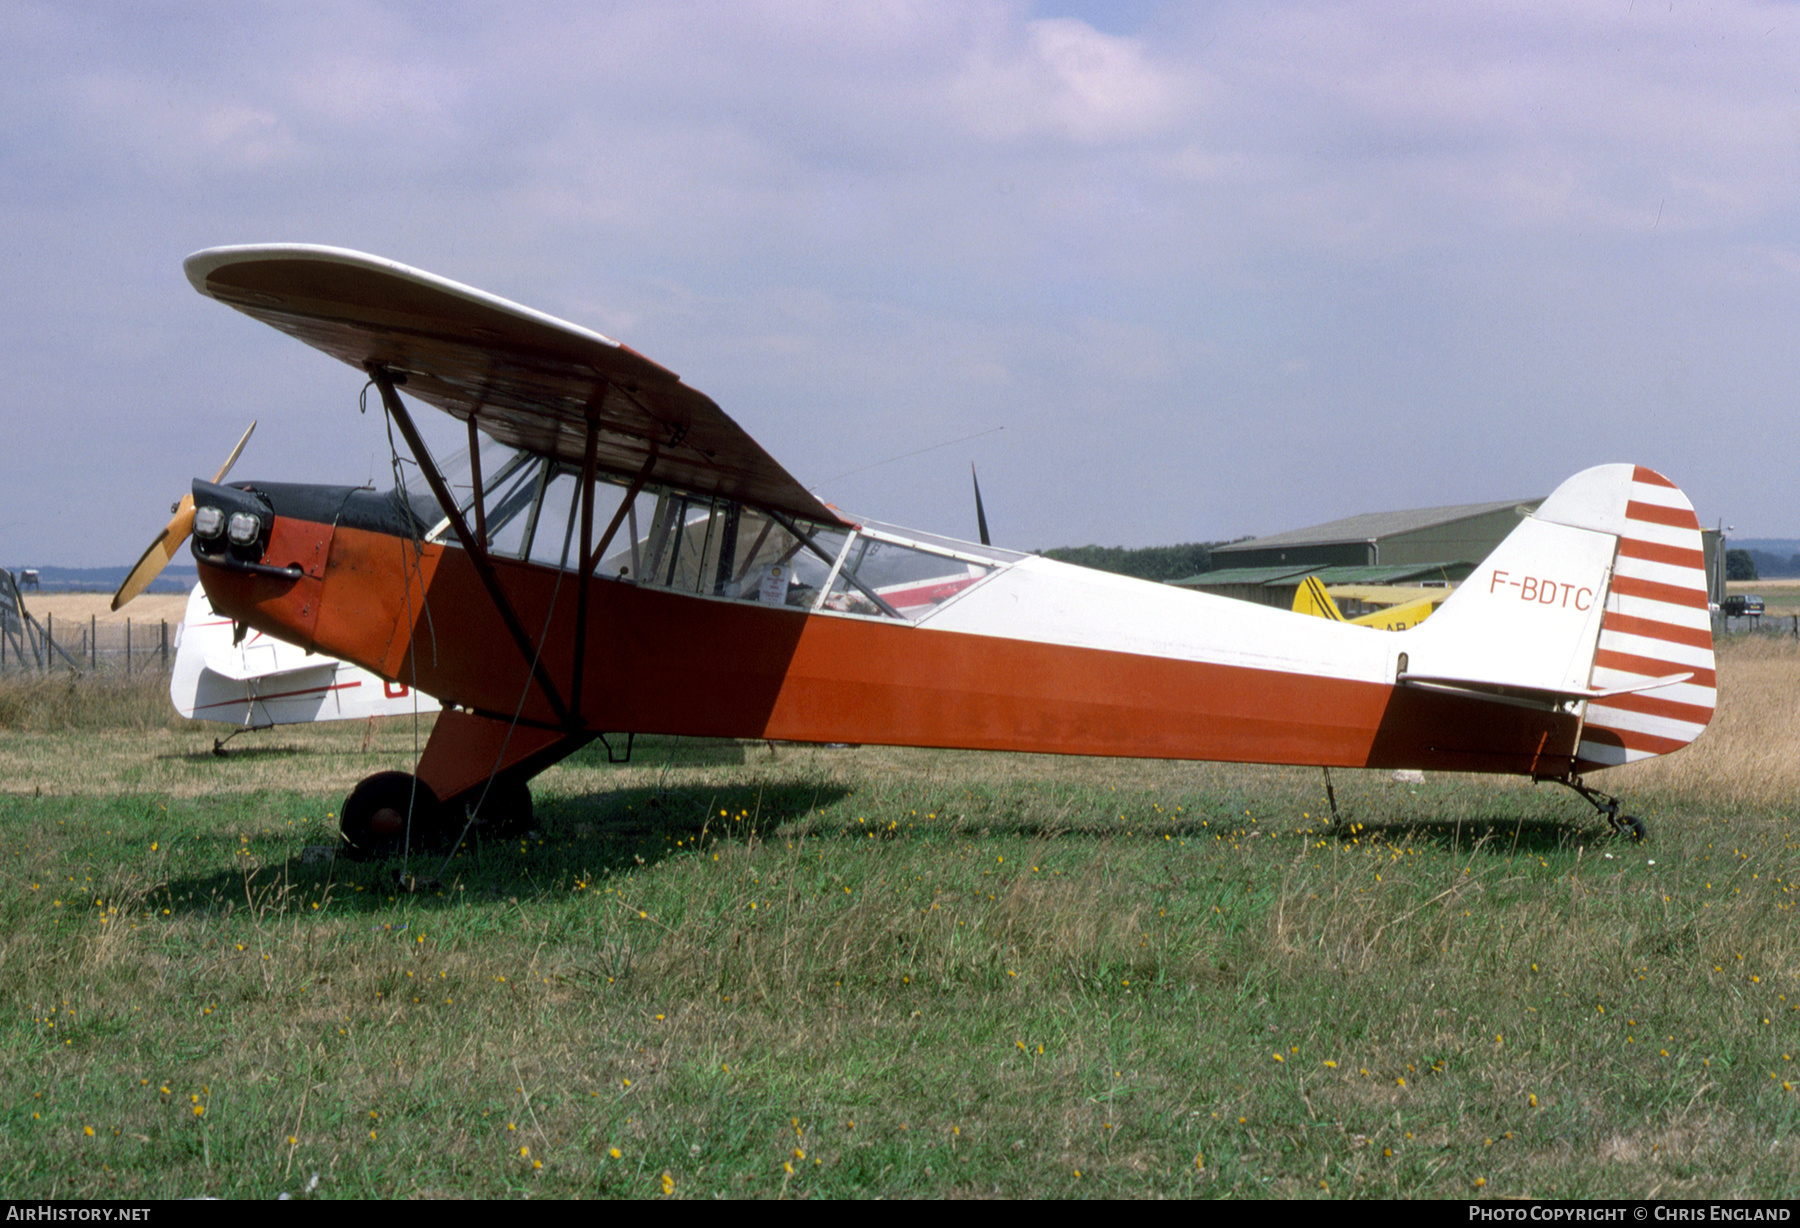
x,y
360,585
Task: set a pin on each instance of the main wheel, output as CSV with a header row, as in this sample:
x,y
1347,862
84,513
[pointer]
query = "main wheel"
x,y
374,818
1634,827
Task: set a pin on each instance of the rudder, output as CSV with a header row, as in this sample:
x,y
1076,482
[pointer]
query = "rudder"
x,y
1657,623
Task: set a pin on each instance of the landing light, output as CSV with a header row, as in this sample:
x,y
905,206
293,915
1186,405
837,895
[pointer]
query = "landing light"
x,y
243,529
209,522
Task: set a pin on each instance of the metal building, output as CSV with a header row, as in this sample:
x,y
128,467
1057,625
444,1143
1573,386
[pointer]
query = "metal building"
x,y
1430,546
1462,535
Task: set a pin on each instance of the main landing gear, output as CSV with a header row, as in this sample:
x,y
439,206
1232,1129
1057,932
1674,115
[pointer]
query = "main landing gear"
x,y
390,812
1608,805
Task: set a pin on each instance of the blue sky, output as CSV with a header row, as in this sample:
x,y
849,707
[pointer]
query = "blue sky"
x,y
1214,269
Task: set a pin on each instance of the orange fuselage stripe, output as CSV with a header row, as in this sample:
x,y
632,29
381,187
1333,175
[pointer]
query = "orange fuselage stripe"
x,y
665,662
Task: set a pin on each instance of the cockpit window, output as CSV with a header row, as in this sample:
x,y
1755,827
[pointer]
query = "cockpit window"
x,y
511,498
899,579
709,546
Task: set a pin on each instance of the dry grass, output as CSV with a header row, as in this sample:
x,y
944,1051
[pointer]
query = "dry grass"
x,y
74,610
806,971
104,736
1750,754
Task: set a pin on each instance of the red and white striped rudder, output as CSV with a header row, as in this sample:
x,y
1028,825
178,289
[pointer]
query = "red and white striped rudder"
x,y
1656,624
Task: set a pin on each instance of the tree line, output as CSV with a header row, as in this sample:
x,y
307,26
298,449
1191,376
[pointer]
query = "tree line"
x,y
1146,563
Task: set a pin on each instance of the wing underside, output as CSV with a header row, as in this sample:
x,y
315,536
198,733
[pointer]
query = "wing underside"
x,y
529,379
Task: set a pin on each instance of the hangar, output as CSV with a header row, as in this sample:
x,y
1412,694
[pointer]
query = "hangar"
x,y
1432,546
1464,534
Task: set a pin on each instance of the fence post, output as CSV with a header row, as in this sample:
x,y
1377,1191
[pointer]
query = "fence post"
x,y
128,648
93,642
165,645
49,639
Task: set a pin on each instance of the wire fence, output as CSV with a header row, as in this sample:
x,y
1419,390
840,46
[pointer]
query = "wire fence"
x,y
1787,625
102,649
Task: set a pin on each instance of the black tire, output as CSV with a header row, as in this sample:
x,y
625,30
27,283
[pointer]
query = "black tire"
x,y
1633,827
374,817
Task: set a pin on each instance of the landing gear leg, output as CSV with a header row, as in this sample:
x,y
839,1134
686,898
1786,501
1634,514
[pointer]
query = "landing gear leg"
x,y
219,743
1331,796
1608,805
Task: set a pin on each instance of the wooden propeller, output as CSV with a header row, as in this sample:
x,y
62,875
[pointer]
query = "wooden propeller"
x,y
161,550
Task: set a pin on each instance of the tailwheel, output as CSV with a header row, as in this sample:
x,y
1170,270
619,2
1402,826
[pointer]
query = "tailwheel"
x,y
1608,806
375,817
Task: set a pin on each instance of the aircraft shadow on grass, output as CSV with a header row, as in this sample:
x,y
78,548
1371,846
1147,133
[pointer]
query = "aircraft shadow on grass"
x,y
581,839
1495,835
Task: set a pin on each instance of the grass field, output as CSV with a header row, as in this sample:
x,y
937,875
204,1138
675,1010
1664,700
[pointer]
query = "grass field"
x,y
727,969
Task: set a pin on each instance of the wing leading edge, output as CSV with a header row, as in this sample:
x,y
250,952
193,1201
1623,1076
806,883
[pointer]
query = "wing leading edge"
x,y
527,378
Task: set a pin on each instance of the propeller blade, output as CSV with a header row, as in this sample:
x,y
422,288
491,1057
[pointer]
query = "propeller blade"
x,y
157,557
980,515
232,459
153,560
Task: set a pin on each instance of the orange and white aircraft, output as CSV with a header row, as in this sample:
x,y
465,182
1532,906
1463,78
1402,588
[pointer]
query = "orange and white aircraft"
x,y
640,564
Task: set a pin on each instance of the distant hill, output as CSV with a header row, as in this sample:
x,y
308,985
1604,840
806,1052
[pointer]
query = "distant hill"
x,y
1775,557
174,579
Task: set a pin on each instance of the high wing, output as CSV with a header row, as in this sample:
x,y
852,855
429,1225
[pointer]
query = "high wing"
x,y
529,380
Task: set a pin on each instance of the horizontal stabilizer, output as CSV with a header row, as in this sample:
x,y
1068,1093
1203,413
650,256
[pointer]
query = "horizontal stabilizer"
x,y
1503,690
238,667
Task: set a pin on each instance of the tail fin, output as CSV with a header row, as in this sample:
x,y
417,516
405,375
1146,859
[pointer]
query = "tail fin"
x,y
1311,598
1598,598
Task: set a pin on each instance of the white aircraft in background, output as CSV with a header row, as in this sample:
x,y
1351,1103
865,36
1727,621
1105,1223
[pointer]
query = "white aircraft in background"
x,y
260,681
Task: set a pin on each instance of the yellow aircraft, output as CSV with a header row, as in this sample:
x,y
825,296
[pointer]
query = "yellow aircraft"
x,y
1311,598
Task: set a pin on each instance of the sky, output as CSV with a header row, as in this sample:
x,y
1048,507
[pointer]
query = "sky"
x,y
1163,272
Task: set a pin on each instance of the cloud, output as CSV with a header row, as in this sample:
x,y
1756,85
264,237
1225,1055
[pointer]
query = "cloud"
x,y
1063,80
1307,240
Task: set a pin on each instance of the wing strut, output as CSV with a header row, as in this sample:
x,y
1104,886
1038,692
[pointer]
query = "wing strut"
x,y
480,501
587,537
476,550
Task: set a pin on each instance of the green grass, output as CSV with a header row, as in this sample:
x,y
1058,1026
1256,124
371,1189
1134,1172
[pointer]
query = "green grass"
x,y
900,973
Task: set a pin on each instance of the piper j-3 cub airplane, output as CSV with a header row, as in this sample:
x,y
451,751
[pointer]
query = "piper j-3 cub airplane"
x,y
640,564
